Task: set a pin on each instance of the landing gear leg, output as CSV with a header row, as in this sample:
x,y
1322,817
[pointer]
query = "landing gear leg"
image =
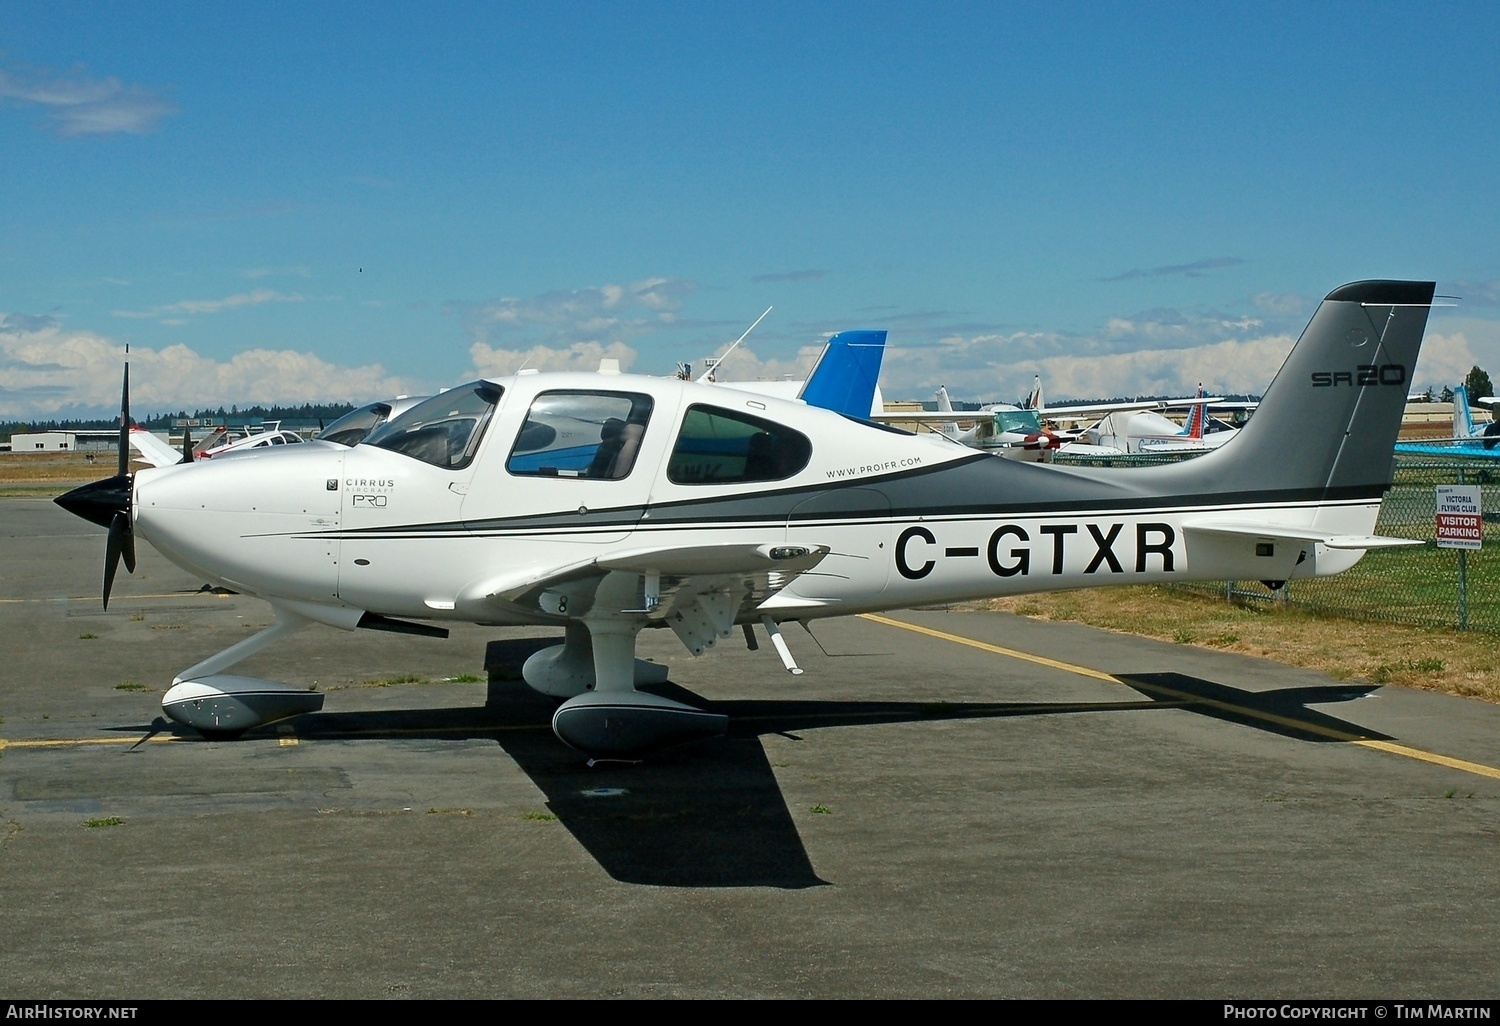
x,y
222,706
570,669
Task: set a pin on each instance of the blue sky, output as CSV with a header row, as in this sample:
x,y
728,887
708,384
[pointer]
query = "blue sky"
x,y
340,201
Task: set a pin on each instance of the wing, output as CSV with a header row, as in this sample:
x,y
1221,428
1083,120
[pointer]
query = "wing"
x,y
152,449
1083,412
1099,410
700,591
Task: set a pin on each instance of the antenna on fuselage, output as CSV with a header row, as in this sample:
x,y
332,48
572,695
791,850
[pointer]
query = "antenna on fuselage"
x,y
714,365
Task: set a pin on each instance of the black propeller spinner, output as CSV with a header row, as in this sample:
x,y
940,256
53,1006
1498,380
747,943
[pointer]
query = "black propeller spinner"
x,y
107,502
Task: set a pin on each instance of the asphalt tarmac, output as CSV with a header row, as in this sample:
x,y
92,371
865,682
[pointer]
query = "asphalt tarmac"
x,y
990,807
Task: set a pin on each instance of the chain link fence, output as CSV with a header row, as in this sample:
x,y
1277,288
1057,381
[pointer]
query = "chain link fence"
x,y
1428,586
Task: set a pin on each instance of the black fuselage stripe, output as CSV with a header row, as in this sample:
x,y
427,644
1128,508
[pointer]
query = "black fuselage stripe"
x,y
649,517
833,519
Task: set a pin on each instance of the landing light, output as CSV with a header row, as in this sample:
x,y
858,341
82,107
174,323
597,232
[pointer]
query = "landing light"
x,y
788,552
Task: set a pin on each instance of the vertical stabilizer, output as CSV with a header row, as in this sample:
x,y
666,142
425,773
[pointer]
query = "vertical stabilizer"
x,y
843,380
1328,422
1463,417
1197,417
1034,401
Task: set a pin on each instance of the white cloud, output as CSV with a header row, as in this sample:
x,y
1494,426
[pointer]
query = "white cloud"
x,y
269,272
50,369
1159,353
79,105
492,362
744,365
210,306
991,372
601,314
1284,304
1444,360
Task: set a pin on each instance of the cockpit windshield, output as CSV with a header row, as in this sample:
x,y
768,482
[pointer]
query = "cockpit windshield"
x,y
444,430
1021,422
353,427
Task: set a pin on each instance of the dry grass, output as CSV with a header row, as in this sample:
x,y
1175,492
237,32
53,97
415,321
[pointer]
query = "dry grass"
x,y
1454,662
47,474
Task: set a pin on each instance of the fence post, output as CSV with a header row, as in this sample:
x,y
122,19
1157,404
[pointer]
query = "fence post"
x,y
1463,574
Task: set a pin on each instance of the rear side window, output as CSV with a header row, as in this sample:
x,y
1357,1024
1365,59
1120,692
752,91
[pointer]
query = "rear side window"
x,y
717,446
570,433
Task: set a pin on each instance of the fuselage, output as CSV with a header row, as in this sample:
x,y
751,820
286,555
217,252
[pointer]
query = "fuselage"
x,y
910,518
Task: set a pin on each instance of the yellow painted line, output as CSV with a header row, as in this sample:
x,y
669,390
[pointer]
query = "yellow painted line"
x,y
284,741
75,742
1186,698
958,713
1027,656
117,598
1441,760
1259,714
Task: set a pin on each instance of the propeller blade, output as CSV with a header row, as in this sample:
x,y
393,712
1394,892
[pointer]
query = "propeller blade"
x,y
124,467
112,550
127,541
187,444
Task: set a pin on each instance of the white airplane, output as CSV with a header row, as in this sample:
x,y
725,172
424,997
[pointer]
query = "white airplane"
x,y
1134,430
706,509
1027,433
271,435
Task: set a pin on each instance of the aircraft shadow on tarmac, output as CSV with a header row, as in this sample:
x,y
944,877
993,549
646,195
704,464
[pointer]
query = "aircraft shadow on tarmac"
x,y
711,814
1283,711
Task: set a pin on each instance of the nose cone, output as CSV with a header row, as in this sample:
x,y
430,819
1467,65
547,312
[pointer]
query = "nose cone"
x,y
98,501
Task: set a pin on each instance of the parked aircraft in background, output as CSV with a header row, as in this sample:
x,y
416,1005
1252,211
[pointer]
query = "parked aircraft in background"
x,y
729,510
230,442
1468,438
218,443
1123,431
1032,432
350,429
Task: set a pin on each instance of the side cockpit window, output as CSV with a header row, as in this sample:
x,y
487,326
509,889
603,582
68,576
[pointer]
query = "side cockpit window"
x,y
580,434
444,430
718,446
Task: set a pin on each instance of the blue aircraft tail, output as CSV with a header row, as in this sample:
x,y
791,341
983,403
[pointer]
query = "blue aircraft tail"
x,y
1463,417
843,380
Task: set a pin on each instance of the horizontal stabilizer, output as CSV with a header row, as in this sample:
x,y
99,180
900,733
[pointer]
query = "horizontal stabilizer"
x,y
1276,532
152,449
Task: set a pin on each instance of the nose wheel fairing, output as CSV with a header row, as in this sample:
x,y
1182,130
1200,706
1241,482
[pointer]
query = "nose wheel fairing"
x,y
225,704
